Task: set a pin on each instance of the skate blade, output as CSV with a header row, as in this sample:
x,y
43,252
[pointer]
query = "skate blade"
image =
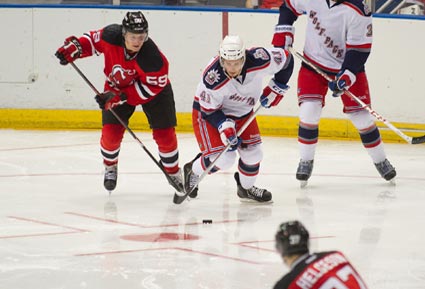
x,y
251,201
392,182
303,184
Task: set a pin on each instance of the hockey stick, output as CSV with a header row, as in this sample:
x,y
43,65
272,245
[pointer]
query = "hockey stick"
x,y
178,199
127,128
409,139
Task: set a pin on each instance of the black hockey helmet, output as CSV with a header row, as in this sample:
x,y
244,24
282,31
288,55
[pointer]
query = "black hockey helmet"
x,y
292,238
135,22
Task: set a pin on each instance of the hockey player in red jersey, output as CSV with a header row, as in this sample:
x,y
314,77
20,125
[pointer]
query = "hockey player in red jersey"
x,y
231,85
136,74
338,40
323,270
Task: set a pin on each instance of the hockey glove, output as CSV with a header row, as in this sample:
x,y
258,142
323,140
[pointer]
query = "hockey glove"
x,y
283,36
273,93
109,99
70,51
121,77
227,130
343,80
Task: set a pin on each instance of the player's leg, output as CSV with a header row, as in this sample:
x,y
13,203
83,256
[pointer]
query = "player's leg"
x,y
210,144
161,115
110,142
312,89
250,157
365,124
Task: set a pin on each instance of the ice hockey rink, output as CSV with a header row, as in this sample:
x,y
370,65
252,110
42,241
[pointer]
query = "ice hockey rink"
x,y
61,229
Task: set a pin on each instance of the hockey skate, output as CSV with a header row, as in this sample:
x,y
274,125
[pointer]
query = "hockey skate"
x,y
111,176
253,193
190,180
176,180
386,170
304,172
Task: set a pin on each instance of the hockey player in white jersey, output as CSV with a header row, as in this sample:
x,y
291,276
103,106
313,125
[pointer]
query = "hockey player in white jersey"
x,y
338,41
230,87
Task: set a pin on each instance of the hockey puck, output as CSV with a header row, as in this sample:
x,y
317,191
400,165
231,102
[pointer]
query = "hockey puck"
x,y
207,221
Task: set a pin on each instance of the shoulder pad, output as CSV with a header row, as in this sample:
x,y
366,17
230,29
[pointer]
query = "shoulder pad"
x,y
149,58
360,6
113,34
214,77
257,57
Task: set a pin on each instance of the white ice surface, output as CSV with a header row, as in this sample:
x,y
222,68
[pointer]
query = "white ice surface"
x,y
60,229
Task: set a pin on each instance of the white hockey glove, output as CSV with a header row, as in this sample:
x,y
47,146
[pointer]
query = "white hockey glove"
x,y
283,36
273,93
227,130
343,81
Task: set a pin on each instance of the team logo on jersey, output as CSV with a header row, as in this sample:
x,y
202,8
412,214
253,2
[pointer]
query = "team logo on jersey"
x,y
277,57
260,53
212,76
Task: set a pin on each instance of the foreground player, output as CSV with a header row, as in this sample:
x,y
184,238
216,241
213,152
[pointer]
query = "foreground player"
x,y
231,85
338,40
136,73
313,271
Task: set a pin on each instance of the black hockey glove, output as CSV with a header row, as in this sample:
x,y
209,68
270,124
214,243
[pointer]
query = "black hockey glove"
x,y
110,99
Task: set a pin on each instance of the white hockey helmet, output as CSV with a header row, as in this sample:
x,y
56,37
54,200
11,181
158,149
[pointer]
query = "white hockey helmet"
x,y
232,48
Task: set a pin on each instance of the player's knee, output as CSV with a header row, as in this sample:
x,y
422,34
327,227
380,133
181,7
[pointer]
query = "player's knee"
x,y
362,120
310,112
112,135
252,154
165,138
226,160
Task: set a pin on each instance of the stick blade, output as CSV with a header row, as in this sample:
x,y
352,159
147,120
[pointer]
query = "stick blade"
x,y
418,139
179,198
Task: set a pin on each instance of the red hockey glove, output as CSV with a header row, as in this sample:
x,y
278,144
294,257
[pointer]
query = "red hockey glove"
x,y
121,77
70,51
227,130
283,36
343,81
273,93
109,99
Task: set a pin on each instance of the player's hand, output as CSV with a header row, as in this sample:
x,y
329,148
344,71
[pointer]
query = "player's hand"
x,y
70,51
227,130
110,99
343,80
273,93
283,36
121,77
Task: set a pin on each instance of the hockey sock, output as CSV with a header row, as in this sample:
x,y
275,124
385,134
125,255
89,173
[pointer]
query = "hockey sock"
x,y
110,142
248,174
166,141
369,134
308,131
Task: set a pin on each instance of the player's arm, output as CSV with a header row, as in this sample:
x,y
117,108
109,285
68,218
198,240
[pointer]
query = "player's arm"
x,y
210,105
358,43
282,62
74,48
284,30
226,127
358,47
